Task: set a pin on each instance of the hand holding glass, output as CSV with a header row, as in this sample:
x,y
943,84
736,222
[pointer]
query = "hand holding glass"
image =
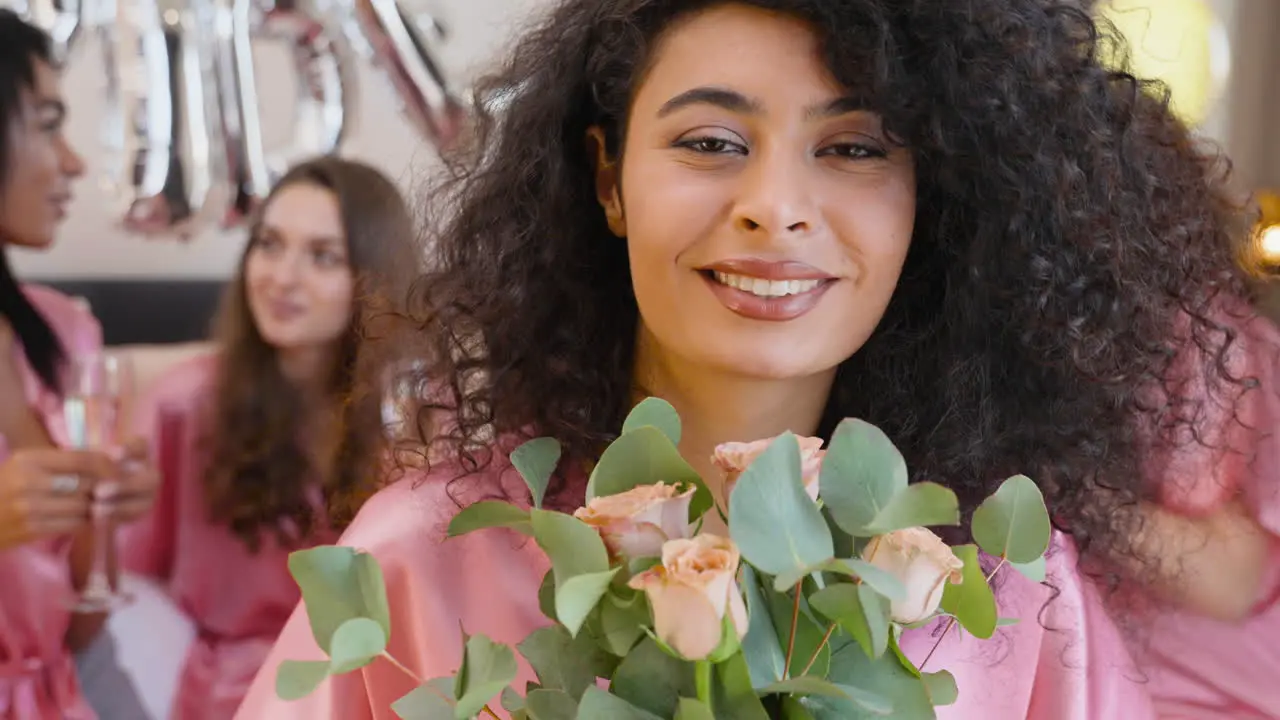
x,y
95,386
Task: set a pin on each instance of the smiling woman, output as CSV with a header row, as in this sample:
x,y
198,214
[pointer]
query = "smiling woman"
x,y
948,219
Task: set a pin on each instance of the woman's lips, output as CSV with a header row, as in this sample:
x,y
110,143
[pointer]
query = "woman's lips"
x,y
774,291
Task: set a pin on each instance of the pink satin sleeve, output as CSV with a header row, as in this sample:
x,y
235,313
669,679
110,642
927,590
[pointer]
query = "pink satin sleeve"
x,y
487,581
1064,660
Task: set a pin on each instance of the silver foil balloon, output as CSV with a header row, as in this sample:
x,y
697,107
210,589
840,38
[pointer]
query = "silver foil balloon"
x,y
162,106
64,20
401,49
326,91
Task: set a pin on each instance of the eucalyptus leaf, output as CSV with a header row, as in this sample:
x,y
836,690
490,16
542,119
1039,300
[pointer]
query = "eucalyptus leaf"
x,y
425,702
876,687
565,663
882,581
734,696
941,687
653,680
805,685
923,504
656,412
645,456
761,647
355,644
296,679
545,704
902,657
622,622
489,514
775,524
547,595
536,462
571,545
793,709
971,602
860,611
597,704
861,472
487,668
338,583
577,596
511,700
1005,622
1034,570
373,591
690,709
1013,523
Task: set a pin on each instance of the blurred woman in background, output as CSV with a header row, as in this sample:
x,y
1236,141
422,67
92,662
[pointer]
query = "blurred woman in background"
x,y
46,490
260,447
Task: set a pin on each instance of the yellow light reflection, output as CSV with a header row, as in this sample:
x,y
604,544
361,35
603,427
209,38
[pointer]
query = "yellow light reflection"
x,y
1269,244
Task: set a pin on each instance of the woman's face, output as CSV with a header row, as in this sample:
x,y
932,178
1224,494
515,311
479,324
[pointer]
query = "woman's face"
x,y
297,276
766,215
36,186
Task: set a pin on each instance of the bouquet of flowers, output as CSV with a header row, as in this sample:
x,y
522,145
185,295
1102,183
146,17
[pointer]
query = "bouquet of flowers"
x,y
797,614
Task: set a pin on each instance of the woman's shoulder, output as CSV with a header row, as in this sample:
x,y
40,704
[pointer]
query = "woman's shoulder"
x,y
416,506
70,318
187,377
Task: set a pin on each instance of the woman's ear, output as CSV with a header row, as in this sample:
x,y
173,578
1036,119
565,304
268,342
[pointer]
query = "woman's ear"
x,y
607,181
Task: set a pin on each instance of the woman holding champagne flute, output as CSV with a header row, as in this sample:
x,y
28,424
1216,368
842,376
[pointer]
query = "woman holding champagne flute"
x,y
261,447
52,499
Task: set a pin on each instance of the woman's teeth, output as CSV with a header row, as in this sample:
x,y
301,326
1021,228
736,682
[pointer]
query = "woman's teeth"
x,y
766,288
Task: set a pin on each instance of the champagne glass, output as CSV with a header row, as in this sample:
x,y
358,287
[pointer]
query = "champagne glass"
x,y
95,387
400,396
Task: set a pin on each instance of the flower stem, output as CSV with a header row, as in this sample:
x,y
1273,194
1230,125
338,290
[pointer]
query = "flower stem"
x,y
702,675
791,642
816,653
401,667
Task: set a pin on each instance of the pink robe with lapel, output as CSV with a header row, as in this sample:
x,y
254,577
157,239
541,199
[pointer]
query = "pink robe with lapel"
x,y
37,672
238,600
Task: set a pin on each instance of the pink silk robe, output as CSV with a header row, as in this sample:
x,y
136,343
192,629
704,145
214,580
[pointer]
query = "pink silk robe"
x,y
37,672
489,581
238,600
1202,669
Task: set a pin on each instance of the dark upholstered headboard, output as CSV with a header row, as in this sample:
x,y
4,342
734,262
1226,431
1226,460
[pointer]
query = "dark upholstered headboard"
x,y
148,311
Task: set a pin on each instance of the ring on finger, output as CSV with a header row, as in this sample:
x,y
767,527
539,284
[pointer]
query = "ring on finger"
x,y
65,484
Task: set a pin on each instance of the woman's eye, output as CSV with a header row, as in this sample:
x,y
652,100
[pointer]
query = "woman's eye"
x,y
711,145
853,151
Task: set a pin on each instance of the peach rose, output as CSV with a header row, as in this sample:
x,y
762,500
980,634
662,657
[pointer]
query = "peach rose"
x,y
922,562
636,523
691,592
734,457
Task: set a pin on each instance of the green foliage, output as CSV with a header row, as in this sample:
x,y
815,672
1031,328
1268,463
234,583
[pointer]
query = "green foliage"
x,y
778,529
1013,523
820,643
971,602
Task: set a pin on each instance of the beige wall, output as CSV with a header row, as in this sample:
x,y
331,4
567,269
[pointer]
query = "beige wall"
x,y
90,246
1245,122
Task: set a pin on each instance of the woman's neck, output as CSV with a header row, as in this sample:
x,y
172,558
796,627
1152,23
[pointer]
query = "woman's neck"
x,y
307,369
717,407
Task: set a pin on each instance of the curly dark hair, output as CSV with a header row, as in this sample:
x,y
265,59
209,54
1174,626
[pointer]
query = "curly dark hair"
x,y
1067,226
259,473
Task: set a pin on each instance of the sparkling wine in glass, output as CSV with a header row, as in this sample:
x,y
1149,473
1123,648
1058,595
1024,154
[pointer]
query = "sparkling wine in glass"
x,y
401,393
96,385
